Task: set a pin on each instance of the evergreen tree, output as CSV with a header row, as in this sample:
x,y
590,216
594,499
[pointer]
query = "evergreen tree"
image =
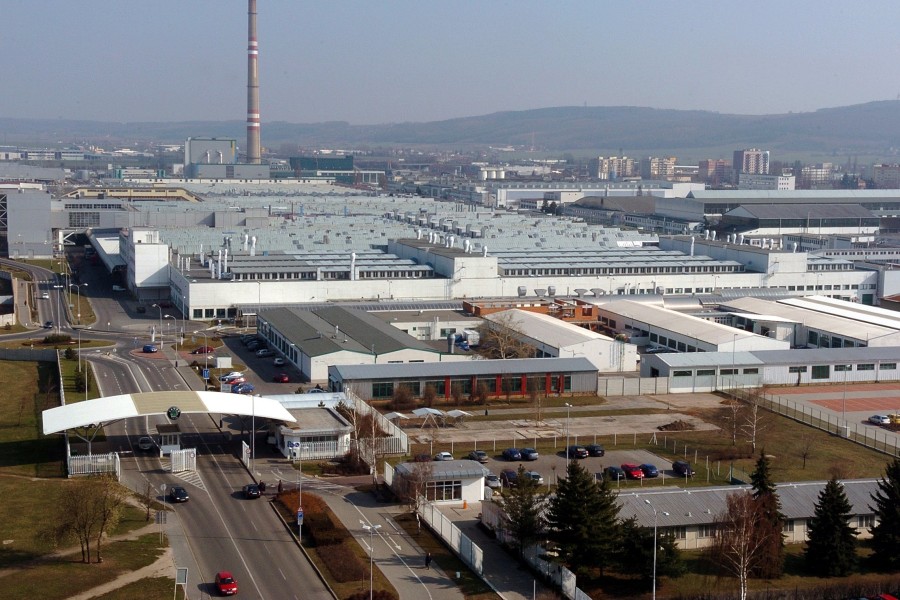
x,y
583,520
886,533
831,549
523,504
769,563
636,552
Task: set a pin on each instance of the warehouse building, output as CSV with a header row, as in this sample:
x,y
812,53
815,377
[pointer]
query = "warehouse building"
x,y
500,378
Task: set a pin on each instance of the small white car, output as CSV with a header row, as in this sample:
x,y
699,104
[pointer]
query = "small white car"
x,y
45,296
880,420
278,362
264,352
443,456
229,376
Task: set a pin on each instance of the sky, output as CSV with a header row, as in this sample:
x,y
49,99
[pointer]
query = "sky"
x,y
368,62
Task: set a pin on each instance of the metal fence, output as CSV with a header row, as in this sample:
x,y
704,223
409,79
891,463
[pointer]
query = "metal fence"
x,y
396,442
876,438
92,464
631,386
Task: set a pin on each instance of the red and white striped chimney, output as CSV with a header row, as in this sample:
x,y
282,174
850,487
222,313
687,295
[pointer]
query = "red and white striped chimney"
x,y
253,149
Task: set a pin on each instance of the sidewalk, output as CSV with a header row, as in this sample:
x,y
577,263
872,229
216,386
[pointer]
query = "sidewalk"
x,y
397,555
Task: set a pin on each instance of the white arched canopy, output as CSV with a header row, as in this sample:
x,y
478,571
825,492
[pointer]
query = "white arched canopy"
x,y
113,408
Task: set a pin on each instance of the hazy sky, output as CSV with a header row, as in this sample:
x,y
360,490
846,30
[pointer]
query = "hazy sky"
x,y
370,62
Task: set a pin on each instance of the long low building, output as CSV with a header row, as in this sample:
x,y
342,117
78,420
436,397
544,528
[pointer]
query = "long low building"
x,y
710,371
647,324
517,377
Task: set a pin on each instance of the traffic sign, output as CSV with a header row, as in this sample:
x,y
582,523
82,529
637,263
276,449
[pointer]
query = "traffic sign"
x,y
205,373
300,517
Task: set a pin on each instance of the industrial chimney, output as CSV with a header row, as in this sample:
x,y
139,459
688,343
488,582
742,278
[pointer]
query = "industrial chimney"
x,y
252,87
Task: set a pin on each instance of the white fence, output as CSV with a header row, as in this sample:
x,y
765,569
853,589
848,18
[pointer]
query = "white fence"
x,y
183,460
396,442
318,450
91,464
631,386
461,544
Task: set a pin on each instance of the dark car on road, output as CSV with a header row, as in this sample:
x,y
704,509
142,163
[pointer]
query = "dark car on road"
x,y
203,350
529,454
48,325
479,455
613,474
150,348
576,452
251,490
512,454
682,468
595,450
649,470
243,388
178,494
508,477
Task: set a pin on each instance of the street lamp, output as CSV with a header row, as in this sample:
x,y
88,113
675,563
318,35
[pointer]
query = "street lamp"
x,y
79,346
160,322
174,337
655,541
568,415
58,313
371,529
205,353
77,287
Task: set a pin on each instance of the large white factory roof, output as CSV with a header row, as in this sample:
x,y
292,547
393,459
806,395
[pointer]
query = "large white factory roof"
x,y
813,319
848,310
549,330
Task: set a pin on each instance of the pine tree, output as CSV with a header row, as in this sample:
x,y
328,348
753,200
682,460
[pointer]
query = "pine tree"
x,y
886,533
636,552
583,520
831,549
770,563
523,505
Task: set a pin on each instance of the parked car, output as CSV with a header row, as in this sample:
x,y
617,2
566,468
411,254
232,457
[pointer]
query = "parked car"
x,y
512,454
632,471
230,375
649,470
178,494
529,454
479,455
118,288
145,444
422,458
535,477
254,345
682,468
613,473
443,456
880,420
140,308
595,450
150,348
492,481
203,350
576,452
236,381
48,324
281,378
226,584
243,388
279,362
508,477
251,490
316,390
45,296
247,338
262,353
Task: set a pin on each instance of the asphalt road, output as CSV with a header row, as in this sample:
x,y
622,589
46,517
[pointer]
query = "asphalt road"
x,y
217,529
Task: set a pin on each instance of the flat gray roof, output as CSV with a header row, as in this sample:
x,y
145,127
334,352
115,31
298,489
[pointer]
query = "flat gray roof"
x,y
444,469
464,368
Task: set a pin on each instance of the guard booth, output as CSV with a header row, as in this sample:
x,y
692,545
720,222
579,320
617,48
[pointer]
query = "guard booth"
x,y
169,435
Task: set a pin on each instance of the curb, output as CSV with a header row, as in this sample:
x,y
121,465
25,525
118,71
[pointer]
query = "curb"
x,y
290,530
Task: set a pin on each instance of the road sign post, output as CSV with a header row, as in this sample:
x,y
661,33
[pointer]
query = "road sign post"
x,y
300,523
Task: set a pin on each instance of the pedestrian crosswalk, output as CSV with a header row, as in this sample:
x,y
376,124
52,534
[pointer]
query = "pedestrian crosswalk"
x,y
190,477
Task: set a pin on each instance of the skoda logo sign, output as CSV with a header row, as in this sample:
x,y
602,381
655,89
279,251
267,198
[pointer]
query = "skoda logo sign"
x,y
173,413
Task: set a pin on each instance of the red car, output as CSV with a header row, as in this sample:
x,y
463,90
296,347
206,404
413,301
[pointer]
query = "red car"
x,y
226,584
281,378
203,350
633,471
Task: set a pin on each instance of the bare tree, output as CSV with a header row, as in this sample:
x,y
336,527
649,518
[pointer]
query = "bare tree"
x,y
429,395
754,423
413,489
733,416
146,499
77,517
502,336
739,538
806,450
110,500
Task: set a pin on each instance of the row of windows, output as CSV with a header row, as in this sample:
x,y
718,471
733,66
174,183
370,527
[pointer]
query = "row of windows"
x,y
824,340
443,490
823,371
513,385
712,372
649,270
787,527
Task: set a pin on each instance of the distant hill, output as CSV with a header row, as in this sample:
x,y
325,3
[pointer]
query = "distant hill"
x,y
872,128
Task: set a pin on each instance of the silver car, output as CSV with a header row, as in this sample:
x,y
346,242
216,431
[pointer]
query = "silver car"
x,y
492,481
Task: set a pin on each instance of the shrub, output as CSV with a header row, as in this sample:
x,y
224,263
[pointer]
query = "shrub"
x,y
344,564
54,339
376,595
69,354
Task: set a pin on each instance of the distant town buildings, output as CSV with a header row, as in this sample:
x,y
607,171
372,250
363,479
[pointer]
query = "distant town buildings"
x,y
751,181
611,167
886,176
814,177
658,168
751,160
714,172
